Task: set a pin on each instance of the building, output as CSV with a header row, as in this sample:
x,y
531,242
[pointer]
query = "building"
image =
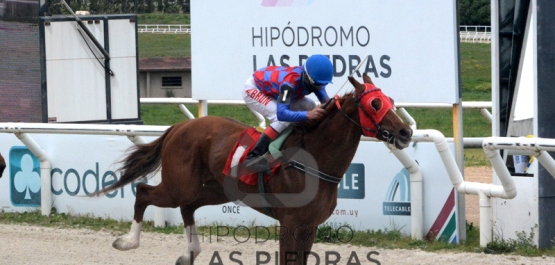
x,y
165,77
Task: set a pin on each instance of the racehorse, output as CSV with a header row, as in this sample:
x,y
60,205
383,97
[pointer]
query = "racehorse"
x,y
192,155
2,165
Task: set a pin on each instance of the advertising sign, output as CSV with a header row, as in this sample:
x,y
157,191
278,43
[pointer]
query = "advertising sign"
x,y
411,45
374,192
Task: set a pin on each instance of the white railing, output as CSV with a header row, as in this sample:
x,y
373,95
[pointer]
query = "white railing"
x,y
475,34
164,28
483,106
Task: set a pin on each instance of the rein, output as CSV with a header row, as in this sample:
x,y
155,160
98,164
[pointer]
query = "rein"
x,y
313,172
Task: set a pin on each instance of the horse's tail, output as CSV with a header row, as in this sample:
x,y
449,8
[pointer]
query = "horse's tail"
x,y
143,160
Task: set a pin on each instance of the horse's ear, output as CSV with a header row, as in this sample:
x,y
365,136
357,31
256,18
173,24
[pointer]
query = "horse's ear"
x,y
359,88
367,79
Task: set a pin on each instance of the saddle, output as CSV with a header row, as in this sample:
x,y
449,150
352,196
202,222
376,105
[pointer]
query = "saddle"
x,y
234,166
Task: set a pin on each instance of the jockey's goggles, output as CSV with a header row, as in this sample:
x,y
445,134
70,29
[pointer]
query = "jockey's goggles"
x,y
313,83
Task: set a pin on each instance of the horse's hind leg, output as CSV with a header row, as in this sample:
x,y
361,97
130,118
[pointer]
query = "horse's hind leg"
x,y
146,195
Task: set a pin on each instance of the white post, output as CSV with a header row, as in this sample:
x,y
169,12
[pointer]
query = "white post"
x,y
186,111
486,115
486,221
202,108
45,168
547,162
261,120
408,118
159,213
416,193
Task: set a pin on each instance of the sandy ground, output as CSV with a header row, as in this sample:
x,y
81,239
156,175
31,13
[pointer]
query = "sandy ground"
x,y
21,244
40,245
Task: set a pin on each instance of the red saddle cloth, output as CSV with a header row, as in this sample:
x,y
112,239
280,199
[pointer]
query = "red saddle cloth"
x,y
234,166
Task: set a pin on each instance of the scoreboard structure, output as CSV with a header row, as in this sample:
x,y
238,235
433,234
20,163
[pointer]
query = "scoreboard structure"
x,y
67,68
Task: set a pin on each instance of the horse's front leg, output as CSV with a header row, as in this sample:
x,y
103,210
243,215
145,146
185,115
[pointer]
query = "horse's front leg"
x,y
191,235
295,243
193,246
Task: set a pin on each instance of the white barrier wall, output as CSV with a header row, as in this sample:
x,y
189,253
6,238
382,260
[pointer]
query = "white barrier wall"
x,y
374,194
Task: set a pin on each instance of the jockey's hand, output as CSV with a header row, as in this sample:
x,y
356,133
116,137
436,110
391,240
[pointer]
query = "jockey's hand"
x,y
315,113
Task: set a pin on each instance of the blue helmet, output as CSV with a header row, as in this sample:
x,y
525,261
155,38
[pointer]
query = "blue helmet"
x,y
319,69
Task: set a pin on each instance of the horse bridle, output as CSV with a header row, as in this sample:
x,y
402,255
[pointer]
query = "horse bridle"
x,y
379,130
329,178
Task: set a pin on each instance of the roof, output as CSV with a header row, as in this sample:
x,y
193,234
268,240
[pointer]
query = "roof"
x,y
165,64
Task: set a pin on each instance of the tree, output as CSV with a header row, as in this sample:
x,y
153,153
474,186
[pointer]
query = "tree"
x,y
474,12
185,6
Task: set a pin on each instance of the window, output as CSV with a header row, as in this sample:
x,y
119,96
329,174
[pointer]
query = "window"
x,y
171,81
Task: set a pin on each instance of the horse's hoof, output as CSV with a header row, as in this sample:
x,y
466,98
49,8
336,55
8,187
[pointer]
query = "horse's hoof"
x,y
184,260
122,244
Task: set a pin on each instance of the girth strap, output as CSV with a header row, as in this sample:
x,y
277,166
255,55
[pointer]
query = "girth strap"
x,y
262,192
299,166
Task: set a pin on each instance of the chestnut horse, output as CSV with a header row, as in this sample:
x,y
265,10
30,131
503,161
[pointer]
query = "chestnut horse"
x,y
193,154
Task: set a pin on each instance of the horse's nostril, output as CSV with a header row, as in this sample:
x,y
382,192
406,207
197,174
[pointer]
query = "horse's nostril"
x,y
405,133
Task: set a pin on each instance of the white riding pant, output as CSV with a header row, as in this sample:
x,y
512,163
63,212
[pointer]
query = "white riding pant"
x,y
267,106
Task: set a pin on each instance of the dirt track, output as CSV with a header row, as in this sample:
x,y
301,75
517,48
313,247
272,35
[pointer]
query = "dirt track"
x,y
39,245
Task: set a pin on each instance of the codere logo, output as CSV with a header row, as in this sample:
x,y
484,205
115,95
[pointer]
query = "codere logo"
x,y
24,177
397,199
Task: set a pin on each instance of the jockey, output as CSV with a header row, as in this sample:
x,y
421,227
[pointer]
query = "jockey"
x,y
278,93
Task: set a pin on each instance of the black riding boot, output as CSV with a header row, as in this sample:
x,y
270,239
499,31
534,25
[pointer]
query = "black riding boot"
x,y
256,160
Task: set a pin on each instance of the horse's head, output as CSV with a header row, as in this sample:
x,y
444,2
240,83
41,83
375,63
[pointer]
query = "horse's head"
x,y
377,114
2,165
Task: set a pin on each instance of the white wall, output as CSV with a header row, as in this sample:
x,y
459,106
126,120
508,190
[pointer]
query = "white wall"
x,y
82,162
